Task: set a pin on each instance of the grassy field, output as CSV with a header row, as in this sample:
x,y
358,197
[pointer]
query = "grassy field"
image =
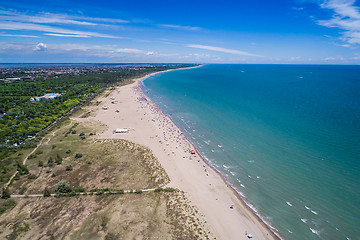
x,y
72,153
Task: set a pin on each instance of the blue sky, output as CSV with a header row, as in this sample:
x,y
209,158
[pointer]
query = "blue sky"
x,y
257,31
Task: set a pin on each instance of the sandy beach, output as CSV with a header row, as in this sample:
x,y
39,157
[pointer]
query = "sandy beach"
x,y
227,216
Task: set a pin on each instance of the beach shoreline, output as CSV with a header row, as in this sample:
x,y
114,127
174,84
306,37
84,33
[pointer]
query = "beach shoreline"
x,y
228,214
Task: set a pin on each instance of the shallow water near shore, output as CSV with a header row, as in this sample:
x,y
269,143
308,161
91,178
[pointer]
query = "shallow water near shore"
x,y
286,136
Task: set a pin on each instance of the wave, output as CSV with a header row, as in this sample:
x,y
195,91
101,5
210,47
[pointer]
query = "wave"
x,y
315,231
304,220
311,210
288,203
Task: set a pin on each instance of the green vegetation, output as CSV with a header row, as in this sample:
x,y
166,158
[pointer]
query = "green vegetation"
x,y
6,204
22,228
47,192
69,168
5,193
168,189
58,159
23,123
40,163
24,119
63,187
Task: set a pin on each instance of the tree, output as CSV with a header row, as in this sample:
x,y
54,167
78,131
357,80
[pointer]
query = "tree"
x,y
5,193
47,192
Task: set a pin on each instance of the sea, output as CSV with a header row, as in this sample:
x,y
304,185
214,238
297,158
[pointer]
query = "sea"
x,y
287,138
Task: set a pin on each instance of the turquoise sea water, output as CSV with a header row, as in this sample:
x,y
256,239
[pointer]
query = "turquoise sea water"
x,y
286,136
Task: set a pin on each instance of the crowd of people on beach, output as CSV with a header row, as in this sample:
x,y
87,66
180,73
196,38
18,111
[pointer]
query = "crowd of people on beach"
x,y
172,137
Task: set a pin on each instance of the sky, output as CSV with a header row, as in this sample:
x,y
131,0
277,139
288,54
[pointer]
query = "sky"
x,y
173,31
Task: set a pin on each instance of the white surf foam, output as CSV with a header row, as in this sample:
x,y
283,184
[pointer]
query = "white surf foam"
x,y
315,231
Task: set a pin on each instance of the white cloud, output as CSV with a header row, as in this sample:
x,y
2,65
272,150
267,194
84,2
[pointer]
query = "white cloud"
x,y
150,53
128,50
329,59
46,17
346,17
225,50
44,28
40,47
343,8
66,35
17,35
180,27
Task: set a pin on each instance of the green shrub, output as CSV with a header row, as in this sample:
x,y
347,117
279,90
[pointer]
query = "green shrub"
x,y
5,193
79,189
58,159
68,151
53,146
32,176
138,191
81,134
63,187
47,192
82,137
7,204
72,194
78,155
73,131
169,189
53,175
158,189
17,176
39,152
23,228
22,168
22,190
40,163
69,168
101,192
